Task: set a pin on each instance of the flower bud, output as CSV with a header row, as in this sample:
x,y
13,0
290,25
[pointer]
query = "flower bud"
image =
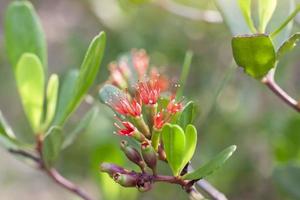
x,y
132,154
126,180
149,155
112,169
144,187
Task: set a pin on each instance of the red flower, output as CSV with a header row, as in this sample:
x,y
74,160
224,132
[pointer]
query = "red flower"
x,y
174,107
149,91
163,81
121,104
158,120
117,77
128,129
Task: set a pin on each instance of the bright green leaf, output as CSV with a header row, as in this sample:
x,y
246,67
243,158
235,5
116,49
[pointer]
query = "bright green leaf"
x,y
211,166
52,145
83,124
254,53
266,9
190,143
288,45
23,33
187,115
30,82
233,17
52,91
174,143
245,6
65,96
87,74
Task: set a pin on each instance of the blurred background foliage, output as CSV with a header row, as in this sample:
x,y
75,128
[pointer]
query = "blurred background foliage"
x,y
235,109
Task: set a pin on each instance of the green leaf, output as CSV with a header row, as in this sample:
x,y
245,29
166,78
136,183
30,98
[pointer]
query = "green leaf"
x,y
288,179
52,145
65,96
23,33
254,53
283,9
185,72
190,143
52,91
108,93
30,82
288,45
7,137
266,9
87,74
82,125
233,17
187,115
211,166
245,6
174,144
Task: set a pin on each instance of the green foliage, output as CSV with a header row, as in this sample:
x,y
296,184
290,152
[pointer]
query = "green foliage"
x,y
188,114
245,6
51,96
255,53
179,145
85,79
107,92
288,45
211,166
52,145
266,9
174,145
7,136
30,82
23,33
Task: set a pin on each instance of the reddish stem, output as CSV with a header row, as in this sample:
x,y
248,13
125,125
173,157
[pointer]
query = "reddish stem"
x,y
270,82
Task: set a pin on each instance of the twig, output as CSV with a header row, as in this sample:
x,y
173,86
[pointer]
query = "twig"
x,y
270,82
24,154
210,16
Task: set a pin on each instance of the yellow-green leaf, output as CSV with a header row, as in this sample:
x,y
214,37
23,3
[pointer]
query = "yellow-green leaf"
x,y
266,9
52,91
30,82
245,6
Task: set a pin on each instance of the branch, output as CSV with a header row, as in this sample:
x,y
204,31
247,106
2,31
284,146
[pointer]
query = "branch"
x,y
60,180
24,154
208,188
210,16
270,82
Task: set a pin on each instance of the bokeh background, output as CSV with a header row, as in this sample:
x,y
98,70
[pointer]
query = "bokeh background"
x,y
235,109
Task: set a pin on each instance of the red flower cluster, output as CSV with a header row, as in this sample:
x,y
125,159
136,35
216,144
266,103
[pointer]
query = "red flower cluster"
x,y
147,92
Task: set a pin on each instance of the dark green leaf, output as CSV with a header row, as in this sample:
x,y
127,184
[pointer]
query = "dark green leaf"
x,y
23,33
254,53
233,16
288,179
266,9
83,124
211,166
87,74
174,143
52,145
30,82
65,96
288,45
187,115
